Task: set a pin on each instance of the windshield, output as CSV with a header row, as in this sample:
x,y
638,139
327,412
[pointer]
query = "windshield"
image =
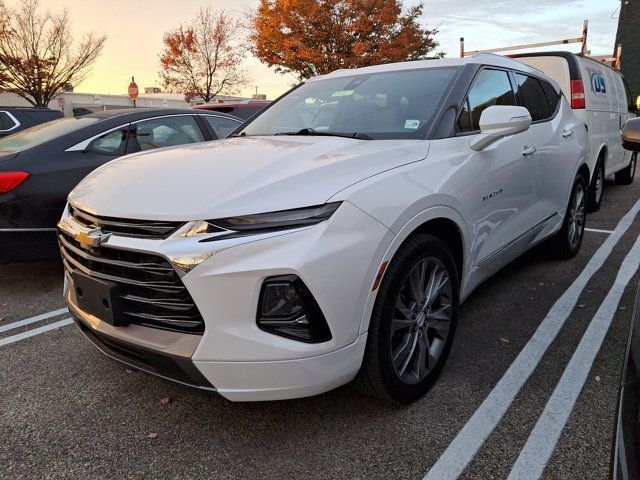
x,y
42,133
384,105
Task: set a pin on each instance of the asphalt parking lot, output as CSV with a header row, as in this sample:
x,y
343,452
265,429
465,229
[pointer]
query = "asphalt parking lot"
x,y
66,411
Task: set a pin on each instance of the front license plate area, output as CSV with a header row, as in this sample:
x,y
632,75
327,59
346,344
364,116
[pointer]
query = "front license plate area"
x,y
99,298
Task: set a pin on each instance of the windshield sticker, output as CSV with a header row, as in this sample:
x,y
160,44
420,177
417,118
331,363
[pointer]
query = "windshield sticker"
x,y
342,93
412,124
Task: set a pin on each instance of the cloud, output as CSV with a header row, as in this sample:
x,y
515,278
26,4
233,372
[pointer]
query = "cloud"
x,y
506,22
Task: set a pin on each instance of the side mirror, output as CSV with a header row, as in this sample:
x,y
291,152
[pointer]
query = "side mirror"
x,y
499,121
631,135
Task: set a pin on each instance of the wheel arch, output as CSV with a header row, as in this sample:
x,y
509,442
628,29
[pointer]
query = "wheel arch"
x,y
584,171
602,157
443,222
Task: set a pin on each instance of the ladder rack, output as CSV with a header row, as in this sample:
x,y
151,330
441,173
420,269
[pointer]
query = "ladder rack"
x,y
613,61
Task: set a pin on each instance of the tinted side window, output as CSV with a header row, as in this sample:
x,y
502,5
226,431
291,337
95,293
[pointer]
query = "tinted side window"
x,y
553,97
165,132
6,122
490,87
222,126
532,97
112,143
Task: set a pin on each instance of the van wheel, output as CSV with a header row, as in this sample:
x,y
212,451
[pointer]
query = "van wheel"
x,y
596,188
413,322
566,243
625,176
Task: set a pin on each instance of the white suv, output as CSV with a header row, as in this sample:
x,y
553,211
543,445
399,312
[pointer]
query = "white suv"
x,y
330,238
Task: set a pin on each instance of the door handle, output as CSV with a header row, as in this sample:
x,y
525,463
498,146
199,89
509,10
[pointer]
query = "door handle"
x,y
567,132
528,151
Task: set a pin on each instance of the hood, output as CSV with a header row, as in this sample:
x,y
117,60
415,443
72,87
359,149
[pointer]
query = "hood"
x,y
237,176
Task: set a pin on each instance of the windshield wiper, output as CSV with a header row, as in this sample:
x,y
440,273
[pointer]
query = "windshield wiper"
x,y
311,131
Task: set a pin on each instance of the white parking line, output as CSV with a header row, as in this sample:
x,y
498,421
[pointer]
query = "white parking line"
x,y
37,318
485,419
597,230
34,332
543,438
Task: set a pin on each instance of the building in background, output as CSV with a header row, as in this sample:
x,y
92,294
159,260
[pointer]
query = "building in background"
x,y
69,102
152,90
629,37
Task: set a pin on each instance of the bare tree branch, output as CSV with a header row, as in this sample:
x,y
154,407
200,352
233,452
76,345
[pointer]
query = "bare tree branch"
x,y
38,55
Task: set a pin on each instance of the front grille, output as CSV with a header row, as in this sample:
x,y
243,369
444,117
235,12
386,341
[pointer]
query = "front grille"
x,y
125,226
151,291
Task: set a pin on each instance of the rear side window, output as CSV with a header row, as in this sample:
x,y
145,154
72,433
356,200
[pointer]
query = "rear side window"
x,y
490,87
6,122
532,97
165,132
221,125
553,97
111,143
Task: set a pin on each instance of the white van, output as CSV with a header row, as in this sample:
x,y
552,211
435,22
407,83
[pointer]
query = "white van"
x,y
601,98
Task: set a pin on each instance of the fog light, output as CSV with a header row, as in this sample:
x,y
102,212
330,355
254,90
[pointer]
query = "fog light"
x,y
288,309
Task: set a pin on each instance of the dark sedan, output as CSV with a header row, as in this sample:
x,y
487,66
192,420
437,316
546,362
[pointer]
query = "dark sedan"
x,y
15,119
41,165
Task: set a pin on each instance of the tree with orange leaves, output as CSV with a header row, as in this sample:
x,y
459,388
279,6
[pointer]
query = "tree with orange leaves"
x,y
203,58
314,37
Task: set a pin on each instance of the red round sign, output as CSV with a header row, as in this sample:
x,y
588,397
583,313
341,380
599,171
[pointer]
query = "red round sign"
x,y
133,91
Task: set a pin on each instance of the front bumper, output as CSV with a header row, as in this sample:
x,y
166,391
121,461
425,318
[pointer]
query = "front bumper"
x,y
337,260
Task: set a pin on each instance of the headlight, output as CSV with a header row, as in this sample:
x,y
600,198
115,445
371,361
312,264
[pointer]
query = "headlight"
x,y
264,222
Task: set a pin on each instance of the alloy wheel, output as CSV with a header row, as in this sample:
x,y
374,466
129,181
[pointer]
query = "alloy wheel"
x,y
421,320
576,216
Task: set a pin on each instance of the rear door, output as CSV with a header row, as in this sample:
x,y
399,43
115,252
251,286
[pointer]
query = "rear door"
x,y
625,112
165,131
552,136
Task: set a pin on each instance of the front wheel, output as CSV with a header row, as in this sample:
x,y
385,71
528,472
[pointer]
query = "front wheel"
x,y
625,176
567,241
413,322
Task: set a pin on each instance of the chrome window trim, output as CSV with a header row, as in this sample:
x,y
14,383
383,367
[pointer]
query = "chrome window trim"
x,y
220,116
85,143
15,121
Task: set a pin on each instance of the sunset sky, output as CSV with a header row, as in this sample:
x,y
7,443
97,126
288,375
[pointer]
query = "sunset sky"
x,y
135,29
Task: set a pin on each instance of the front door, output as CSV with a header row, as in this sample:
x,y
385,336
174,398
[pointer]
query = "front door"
x,y
504,178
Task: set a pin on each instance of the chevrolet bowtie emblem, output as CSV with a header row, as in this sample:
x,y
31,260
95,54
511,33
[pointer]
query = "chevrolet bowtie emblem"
x,y
92,239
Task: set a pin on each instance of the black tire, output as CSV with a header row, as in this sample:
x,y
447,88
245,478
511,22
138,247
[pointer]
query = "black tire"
x,y
564,244
596,188
625,176
379,374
